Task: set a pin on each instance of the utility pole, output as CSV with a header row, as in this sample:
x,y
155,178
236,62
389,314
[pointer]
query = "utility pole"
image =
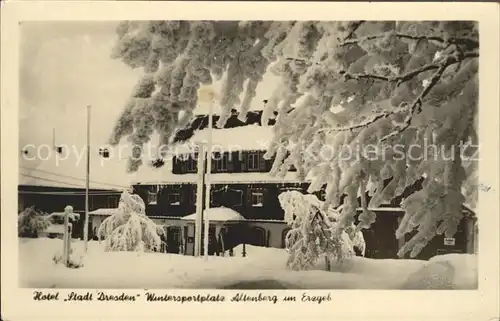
x,y
87,180
199,199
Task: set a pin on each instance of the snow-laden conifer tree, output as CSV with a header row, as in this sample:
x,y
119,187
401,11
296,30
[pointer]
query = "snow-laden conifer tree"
x,y
359,103
312,235
129,229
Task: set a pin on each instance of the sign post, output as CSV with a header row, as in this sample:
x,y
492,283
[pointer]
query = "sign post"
x,y
68,210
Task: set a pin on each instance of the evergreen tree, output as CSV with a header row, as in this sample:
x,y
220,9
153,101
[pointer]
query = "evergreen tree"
x,y
358,103
129,229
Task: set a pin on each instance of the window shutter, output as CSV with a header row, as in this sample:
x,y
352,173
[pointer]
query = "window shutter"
x,y
213,165
243,159
265,194
269,164
182,166
249,197
262,161
175,165
184,195
230,160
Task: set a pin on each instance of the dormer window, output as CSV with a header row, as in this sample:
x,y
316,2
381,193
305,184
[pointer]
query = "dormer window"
x,y
104,152
322,194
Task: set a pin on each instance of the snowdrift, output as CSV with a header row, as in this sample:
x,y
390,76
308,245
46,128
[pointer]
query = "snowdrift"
x,y
262,268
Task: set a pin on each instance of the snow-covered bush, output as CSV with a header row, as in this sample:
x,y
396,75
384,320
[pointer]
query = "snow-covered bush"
x,y
129,229
313,234
30,222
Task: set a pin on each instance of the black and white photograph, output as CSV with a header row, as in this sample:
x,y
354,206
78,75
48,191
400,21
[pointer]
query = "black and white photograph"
x,y
250,156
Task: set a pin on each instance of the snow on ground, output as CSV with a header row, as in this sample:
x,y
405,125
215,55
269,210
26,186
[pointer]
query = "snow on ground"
x,y
262,268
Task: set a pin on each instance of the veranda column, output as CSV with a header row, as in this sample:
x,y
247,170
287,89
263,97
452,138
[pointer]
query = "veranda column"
x,y
217,233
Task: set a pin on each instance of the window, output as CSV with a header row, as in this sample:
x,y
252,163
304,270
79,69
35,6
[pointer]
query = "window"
x,y
152,198
257,199
104,152
113,202
174,199
194,196
192,165
221,162
153,195
322,194
253,161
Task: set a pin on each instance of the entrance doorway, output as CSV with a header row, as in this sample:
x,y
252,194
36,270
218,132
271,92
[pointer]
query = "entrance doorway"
x,y
173,239
256,236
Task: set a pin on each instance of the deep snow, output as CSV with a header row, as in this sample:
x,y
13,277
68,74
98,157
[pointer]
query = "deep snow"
x,y
261,268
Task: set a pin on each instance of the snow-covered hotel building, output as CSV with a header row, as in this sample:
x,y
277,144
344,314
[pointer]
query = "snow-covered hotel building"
x,y
240,183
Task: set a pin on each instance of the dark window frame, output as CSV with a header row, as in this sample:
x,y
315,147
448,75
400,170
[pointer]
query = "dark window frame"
x,y
255,197
221,163
192,165
152,198
252,159
174,198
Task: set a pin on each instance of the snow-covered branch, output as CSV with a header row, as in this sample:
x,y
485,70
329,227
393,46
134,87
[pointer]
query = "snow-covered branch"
x,y
382,80
450,60
416,106
469,42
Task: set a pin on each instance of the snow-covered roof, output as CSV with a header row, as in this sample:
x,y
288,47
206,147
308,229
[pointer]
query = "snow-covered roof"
x,y
219,214
251,137
69,169
163,176
104,211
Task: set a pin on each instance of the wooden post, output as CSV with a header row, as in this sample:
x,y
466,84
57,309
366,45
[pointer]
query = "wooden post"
x,y
199,199
208,181
222,241
183,241
244,252
217,239
67,235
